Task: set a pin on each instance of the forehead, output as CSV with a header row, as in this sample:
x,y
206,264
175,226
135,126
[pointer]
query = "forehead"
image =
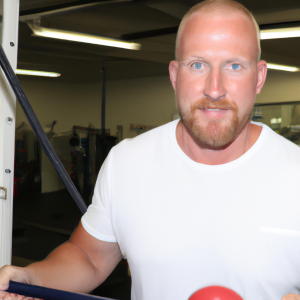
x,y
215,31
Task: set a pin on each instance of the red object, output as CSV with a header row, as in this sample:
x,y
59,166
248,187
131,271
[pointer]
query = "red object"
x,y
215,292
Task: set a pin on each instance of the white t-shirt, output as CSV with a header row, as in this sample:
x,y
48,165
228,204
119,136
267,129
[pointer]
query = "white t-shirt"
x,y
183,225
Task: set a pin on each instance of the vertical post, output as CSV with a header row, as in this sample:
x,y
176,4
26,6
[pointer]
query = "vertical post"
x,y
103,73
9,43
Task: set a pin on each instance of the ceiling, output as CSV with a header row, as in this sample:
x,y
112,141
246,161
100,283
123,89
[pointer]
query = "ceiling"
x,y
152,23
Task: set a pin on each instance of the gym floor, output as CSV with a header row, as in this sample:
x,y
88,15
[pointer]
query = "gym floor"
x,y
44,221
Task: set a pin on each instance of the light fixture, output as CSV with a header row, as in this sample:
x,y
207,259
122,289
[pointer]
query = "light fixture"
x,y
279,33
82,37
36,73
276,121
283,68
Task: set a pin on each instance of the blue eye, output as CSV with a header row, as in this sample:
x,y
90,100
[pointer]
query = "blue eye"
x,y
197,66
236,66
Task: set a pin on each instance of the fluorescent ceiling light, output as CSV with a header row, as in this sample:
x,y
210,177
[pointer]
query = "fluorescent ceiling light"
x,y
83,38
280,33
36,73
283,68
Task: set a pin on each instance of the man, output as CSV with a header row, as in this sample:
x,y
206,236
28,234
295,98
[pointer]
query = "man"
x,y
211,199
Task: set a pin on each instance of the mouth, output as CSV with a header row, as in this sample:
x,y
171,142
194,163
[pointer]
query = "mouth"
x,y
213,109
214,112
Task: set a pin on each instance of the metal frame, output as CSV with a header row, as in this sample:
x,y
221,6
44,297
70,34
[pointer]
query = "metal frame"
x,y
277,103
7,127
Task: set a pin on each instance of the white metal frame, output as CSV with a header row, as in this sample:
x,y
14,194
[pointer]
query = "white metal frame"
x,y
7,127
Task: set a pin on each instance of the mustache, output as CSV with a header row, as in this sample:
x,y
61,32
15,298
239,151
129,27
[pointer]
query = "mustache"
x,y
206,103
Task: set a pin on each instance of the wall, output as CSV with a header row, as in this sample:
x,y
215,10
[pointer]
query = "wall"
x,y
280,87
148,101
68,104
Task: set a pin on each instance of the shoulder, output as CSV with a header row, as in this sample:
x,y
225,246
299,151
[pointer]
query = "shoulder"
x,y
274,137
147,142
134,156
281,147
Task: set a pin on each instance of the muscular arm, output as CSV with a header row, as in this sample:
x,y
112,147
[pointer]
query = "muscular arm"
x,y
79,265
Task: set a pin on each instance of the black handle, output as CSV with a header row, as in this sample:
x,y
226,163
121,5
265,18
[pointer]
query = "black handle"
x,y
40,292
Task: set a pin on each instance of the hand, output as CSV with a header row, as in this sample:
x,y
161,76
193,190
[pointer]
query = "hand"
x,y
291,297
8,273
8,296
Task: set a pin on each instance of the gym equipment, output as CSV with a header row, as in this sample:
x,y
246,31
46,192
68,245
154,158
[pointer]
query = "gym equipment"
x,y
215,292
34,291
38,130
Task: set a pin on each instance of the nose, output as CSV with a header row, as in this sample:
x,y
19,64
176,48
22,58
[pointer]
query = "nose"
x,y
214,88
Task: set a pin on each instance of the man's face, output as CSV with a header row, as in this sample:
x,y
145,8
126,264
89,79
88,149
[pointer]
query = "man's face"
x,y
216,77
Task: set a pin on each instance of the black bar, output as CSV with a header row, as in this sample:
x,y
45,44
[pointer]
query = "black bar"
x,y
44,9
277,103
38,130
149,33
40,292
279,25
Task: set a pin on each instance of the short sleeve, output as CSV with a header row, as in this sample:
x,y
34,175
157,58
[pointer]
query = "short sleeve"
x,y
97,220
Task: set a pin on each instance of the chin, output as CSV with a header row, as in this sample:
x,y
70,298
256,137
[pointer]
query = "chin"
x,y
216,135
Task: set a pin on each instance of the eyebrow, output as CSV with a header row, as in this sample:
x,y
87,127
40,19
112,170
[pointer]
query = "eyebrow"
x,y
195,57
244,61
235,60
192,58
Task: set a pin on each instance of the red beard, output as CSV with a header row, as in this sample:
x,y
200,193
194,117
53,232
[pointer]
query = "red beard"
x,y
217,134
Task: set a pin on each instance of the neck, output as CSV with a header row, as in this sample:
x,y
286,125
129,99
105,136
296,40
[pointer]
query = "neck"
x,y
246,139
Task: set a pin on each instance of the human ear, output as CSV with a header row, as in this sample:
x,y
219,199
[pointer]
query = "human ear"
x,y
261,75
173,70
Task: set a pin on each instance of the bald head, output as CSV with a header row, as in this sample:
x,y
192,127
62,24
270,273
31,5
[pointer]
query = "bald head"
x,y
221,7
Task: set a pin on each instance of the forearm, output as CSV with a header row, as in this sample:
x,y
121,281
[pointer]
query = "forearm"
x,y
67,268
79,265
